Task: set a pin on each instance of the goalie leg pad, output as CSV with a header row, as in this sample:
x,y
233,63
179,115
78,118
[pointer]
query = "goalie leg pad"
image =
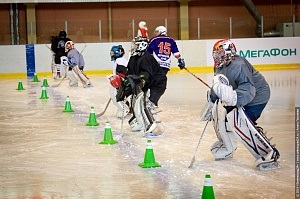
x,y
84,80
56,71
206,112
227,144
255,141
134,125
143,117
113,92
73,81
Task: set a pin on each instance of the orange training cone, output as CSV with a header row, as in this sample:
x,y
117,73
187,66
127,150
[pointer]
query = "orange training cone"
x,y
68,107
208,190
149,160
35,78
92,120
44,93
20,86
45,82
108,137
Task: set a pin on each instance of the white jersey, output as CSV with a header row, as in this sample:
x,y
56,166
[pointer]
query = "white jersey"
x,y
121,61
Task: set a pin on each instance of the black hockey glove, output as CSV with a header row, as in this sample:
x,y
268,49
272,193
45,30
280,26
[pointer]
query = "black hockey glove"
x,y
181,63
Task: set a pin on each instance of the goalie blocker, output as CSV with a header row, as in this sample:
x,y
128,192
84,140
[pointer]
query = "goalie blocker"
x,y
235,125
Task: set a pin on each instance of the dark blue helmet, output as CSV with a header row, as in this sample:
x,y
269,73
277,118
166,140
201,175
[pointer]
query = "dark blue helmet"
x,y
116,52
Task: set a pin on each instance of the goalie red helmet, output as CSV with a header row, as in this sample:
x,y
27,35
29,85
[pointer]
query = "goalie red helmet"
x,y
69,45
115,80
223,52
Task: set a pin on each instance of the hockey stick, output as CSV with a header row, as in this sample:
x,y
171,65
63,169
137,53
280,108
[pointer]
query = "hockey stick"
x,y
102,113
193,159
57,85
124,101
197,77
83,49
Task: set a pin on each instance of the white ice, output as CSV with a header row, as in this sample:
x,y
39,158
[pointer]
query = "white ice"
x,y
45,153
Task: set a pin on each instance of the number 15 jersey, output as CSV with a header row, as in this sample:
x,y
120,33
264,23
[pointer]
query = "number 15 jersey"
x,y
162,48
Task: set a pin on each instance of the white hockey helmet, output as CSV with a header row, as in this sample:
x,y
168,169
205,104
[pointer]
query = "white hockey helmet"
x,y
143,25
223,52
69,45
141,44
160,30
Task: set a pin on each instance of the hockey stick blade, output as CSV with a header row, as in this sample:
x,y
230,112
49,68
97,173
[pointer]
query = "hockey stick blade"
x,y
102,113
194,156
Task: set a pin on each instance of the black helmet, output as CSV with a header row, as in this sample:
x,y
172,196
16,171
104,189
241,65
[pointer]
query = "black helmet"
x,y
62,34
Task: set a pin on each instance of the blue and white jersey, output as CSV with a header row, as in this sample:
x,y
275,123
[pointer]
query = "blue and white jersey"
x,y
162,48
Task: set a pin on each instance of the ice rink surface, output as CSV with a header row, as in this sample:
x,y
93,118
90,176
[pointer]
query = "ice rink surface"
x,y
45,153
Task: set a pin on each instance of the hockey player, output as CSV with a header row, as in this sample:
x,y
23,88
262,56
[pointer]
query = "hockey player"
x,y
117,78
75,61
239,93
142,31
162,47
58,47
144,73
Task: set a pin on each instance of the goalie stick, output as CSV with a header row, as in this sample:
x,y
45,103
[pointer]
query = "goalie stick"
x,y
122,132
102,113
193,158
57,85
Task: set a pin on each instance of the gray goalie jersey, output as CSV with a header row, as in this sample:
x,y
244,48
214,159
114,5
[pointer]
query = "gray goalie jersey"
x,y
75,58
250,86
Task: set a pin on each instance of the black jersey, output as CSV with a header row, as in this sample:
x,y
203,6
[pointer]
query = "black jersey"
x,y
147,67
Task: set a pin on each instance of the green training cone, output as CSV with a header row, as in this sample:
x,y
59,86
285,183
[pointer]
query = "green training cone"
x,y
20,86
44,93
45,82
108,137
149,160
35,78
92,120
208,190
68,107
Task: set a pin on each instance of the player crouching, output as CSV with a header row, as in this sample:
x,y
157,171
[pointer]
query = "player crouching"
x,y
238,96
75,64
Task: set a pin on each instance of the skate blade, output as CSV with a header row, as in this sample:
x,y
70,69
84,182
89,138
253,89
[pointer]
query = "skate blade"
x,y
220,159
152,135
269,167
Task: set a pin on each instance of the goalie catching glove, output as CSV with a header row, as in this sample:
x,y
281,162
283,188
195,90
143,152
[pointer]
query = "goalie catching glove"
x,y
224,91
181,63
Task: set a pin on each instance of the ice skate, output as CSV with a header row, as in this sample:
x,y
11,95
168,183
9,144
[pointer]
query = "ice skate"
x,y
269,162
87,85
